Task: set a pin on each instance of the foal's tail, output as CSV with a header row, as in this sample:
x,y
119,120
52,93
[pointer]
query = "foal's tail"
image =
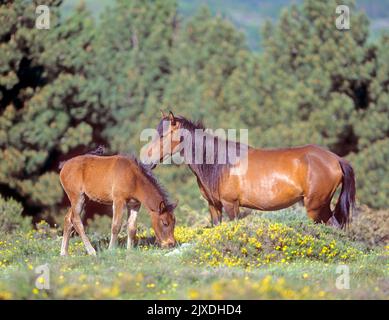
x,y
99,151
346,202
61,164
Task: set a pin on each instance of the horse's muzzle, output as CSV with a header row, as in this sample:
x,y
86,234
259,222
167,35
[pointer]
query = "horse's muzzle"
x,y
168,244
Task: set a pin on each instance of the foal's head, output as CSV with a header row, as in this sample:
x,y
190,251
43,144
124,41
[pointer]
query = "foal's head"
x,y
163,223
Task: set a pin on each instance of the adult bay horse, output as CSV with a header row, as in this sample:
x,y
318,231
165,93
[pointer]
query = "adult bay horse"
x,y
273,179
123,182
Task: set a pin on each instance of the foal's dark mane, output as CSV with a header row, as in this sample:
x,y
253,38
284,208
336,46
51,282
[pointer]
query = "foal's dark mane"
x,y
146,171
210,174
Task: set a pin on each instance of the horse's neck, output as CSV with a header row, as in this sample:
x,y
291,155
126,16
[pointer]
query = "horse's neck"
x,y
227,145
228,154
195,168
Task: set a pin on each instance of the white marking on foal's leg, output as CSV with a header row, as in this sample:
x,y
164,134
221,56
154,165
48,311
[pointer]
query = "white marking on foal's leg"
x,y
118,211
131,228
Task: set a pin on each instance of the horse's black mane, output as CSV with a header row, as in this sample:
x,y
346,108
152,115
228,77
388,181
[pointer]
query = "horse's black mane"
x,y
185,123
209,174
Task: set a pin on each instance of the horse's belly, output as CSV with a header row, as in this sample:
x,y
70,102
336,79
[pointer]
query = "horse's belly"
x,y
269,204
270,193
99,191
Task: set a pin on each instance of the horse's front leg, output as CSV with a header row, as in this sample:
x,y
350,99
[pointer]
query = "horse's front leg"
x,y
215,210
232,209
216,214
117,208
131,225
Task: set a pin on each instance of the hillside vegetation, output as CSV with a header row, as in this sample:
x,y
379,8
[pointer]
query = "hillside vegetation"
x,y
278,255
65,90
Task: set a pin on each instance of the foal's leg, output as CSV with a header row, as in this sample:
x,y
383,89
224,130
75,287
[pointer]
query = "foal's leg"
x,y
67,229
77,206
131,225
118,208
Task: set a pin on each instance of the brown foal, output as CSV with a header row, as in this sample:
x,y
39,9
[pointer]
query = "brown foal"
x,y
272,179
123,182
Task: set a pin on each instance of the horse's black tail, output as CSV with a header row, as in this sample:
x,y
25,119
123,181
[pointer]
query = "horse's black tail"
x,y
346,202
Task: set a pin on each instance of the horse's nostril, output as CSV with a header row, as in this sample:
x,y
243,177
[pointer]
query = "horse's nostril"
x,y
172,244
168,244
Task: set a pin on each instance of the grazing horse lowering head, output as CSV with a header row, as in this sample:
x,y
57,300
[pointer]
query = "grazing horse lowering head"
x,y
163,223
125,183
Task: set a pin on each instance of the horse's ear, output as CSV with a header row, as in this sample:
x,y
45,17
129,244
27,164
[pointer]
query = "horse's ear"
x,y
172,118
162,207
163,114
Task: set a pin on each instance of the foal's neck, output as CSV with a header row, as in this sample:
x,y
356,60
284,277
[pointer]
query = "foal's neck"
x,y
149,195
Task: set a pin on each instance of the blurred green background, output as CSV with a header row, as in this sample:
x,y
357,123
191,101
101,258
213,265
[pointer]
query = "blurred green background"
x,y
281,70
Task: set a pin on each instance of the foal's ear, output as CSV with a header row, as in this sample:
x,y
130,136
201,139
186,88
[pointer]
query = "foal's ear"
x,y
163,114
172,118
162,207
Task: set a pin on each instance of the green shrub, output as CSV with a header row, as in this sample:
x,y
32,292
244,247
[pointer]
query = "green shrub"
x,y
256,241
100,225
11,218
371,227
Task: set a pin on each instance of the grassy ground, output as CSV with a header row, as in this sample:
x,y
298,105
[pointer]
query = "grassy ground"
x,y
270,256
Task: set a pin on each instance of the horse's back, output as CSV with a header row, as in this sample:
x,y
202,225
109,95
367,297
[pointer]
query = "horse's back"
x,y
97,176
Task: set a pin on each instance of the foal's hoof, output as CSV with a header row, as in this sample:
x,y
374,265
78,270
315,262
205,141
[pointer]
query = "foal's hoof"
x,y
92,252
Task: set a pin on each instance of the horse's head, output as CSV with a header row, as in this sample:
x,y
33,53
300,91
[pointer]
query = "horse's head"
x,y
163,223
166,141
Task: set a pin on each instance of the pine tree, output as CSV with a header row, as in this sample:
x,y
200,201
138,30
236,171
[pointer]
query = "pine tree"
x,y
43,105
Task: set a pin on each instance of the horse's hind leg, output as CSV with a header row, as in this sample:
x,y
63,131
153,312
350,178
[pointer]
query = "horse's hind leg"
x,y
118,208
131,225
318,213
77,206
67,229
